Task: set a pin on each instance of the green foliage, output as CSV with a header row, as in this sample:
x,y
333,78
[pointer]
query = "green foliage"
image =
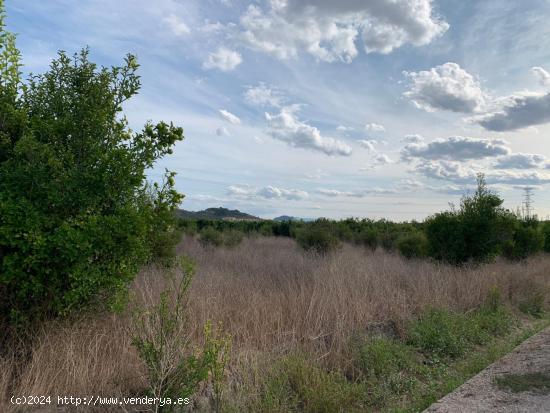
x,y
533,382
296,384
77,218
318,237
527,240
533,304
160,334
413,245
546,233
367,237
439,332
442,333
475,232
210,237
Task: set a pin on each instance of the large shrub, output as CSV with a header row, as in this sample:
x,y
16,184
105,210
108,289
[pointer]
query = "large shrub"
x,y
527,240
318,236
77,217
474,232
413,245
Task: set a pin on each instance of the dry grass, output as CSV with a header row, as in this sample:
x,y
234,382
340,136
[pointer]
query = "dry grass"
x,y
273,299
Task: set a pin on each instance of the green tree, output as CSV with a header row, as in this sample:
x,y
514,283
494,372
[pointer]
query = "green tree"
x,y
474,232
77,217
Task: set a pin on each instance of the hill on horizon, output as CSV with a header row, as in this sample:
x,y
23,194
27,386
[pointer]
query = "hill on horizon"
x,y
219,213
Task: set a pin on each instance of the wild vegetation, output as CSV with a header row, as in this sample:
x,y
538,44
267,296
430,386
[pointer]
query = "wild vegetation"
x,y
101,295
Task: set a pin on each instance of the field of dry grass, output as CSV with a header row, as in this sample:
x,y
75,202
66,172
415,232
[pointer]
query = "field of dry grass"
x,y
273,299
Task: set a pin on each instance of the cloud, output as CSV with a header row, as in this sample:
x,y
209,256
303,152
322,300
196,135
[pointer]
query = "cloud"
x,y
516,112
413,139
520,161
229,117
455,148
222,131
367,144
333,193
287,128
378,160
262,95
445,170
542,75
375,127
317,174
272,192
223,59
267,192
343,128
178,26
445,87
329,31
458,173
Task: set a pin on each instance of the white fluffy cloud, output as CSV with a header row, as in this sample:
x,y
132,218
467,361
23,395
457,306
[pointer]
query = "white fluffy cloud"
x,y
329,30
178,26
413,138
517,111
229,117
446,87
267,192
333,193
520,161
262,95
287,128
458,173
542,75
367,144
223,59
455,148
375,127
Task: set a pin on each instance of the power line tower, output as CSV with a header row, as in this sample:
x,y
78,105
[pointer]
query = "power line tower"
x,y
527,202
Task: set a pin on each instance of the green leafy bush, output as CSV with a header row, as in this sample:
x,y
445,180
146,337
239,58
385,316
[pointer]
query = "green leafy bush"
x,y
413,245
77,218
368,238
527,240
475,232
318,237
211,237
439,332
296,384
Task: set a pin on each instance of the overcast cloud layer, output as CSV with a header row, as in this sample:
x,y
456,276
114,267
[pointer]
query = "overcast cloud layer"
x,y
379,108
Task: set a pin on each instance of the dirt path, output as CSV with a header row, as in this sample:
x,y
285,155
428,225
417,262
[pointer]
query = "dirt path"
x,y
481,394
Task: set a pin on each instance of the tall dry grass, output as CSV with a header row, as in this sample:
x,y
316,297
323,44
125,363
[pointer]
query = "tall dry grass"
x,y
273,299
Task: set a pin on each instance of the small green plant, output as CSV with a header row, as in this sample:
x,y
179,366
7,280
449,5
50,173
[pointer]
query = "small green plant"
x,y
535,382
161,336
217,348
439,332
413,245
533,304
295,384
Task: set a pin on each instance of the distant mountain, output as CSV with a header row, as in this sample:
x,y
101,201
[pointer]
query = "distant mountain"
x,y
217,214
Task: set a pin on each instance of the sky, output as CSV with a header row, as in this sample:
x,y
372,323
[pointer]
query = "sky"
x,y
322,108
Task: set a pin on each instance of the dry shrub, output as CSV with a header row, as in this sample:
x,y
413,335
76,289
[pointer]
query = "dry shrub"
x,y
273,299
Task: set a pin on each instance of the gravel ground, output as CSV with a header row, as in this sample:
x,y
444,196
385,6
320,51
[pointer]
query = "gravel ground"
x,y
480,394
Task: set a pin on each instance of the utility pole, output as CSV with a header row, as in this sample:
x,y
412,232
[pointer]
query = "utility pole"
x,y
527,201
